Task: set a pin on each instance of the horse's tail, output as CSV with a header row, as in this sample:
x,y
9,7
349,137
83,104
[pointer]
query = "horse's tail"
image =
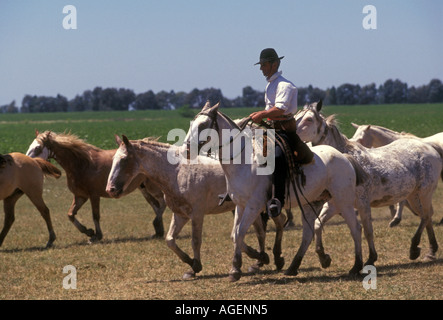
x,y
48,168
439,149
360,173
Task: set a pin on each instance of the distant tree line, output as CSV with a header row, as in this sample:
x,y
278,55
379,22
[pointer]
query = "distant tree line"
x,y
99,99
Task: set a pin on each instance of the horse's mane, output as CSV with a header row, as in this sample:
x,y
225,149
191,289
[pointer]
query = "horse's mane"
x,y
78,149
333,126
394,133
150,141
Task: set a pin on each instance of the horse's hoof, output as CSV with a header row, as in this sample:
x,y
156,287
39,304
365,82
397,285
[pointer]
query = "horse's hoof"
x,y
263,258
254,268
395,222
90,233
49,245
279,263
325,261
157,236
430,258
188,275
234,276
355,271
414,253
291,272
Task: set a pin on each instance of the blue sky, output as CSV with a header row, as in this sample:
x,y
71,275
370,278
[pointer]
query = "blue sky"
x,y
182,45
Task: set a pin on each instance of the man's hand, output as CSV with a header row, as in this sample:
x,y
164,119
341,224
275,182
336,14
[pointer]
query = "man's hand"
x,y
272,113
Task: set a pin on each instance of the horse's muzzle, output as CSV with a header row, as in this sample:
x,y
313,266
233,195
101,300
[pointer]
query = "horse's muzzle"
x,y
114,192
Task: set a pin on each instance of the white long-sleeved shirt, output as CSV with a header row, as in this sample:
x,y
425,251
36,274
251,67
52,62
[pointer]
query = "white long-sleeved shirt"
x,y
281,93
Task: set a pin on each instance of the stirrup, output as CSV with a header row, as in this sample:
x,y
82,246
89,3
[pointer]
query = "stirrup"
x,y
274,208
223,198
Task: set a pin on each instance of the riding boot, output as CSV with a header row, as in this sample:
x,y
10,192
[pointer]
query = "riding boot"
x,y
302,152
276,204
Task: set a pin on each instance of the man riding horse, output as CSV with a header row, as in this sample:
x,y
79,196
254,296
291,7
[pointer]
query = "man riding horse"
x,y
281,105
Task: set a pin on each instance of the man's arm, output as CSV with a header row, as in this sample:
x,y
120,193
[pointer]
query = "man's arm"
x,y
272,113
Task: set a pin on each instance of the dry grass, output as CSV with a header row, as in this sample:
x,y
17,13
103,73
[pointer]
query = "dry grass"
x,y
127,264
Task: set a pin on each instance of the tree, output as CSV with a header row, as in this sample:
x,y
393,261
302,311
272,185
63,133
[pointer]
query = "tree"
x,y
394,91
9,108
435,91
144,101
331,96
252,98
368,94
347,94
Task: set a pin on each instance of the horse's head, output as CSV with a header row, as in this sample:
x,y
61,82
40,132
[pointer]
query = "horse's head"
x,y
123,170
363,135
203,131
38,147
310,122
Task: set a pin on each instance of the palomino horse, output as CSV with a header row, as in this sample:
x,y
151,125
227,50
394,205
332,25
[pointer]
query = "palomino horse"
x,y
87,168
330,176
191,191
372,136
406,169
20,174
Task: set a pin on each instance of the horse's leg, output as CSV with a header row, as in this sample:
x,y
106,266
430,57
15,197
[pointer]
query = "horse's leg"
x,y
327,212
197,228
95,205
423,207
277,250
365,215
432,242
156,200
259,227
8,206
290,222
37,200
398,214
354,227
308,233
177,224
393,211
77,203
242,221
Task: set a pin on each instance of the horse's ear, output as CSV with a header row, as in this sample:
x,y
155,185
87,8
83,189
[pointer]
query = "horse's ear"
x,y
207,105
126,141
118,140
36,132
215,107
319,105
355,125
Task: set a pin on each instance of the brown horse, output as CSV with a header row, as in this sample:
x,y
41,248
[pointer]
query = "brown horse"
x,y
87,168
20,174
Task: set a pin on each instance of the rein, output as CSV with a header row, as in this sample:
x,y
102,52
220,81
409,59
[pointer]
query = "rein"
x,y
214,125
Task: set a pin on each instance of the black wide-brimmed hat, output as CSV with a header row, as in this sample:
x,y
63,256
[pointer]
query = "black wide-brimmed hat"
x,y
268,54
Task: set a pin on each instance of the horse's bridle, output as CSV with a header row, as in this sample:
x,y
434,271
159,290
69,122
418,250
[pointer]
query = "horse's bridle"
x,y
322,124
214,125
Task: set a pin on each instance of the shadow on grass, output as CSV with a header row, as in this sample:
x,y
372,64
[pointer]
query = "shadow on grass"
x,y
277,277
382,271
84,243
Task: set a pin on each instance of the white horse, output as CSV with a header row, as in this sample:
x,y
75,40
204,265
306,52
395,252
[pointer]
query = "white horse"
x,y
191,191
330,176
373,136
406,169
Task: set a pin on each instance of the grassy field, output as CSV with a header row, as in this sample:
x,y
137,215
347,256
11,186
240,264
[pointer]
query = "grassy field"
x,y
128,264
